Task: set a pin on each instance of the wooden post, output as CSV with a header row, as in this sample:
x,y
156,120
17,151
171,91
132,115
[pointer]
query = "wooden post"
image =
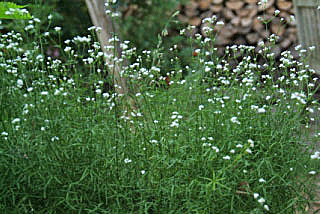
x,y
101,19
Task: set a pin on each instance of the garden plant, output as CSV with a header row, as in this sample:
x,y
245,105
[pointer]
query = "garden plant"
x,y
208,137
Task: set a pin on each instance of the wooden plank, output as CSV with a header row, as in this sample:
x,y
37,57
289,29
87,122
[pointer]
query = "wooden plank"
x,y
306,3
308,27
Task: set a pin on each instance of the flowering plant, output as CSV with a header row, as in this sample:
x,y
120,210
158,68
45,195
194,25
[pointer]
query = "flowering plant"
x,y
9,10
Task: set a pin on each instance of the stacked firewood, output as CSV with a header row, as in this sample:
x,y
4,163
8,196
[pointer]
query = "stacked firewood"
x,y
245,21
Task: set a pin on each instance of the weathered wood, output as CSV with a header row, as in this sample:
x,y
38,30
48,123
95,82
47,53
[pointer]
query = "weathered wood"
x,y
308,22
100,19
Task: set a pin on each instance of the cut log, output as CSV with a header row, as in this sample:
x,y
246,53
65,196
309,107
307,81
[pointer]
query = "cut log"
x,y
234,5
221,41
285,43
265,6
246,22
243,30
227,13
254,2
253,38
292,31
204,4
247,11
217,1
195,21
183,19
265,34
236,21
228,31
240,40
191,9
217,8
207,14
276,50
271,10
257,25
277,27
284,5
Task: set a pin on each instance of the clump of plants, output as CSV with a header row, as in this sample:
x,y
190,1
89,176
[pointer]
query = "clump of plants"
x,y
220,139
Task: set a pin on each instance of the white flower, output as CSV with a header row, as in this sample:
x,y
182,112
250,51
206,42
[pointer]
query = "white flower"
x,y
19,83
261,110
220,23
216,149
154,141
235,120
67,49
312,172
54,138
127,160
261,180
226,157
249,151
292,18
16,120
44,93
261,200
4,133
201,107
36,20
57,29
266,207
50,17
255,195
143,172
251,143
316,155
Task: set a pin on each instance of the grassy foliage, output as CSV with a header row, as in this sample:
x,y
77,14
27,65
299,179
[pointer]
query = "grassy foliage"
x,y
224,139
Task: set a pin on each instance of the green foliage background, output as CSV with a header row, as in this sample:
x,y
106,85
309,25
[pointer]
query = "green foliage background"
x,y
141,28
